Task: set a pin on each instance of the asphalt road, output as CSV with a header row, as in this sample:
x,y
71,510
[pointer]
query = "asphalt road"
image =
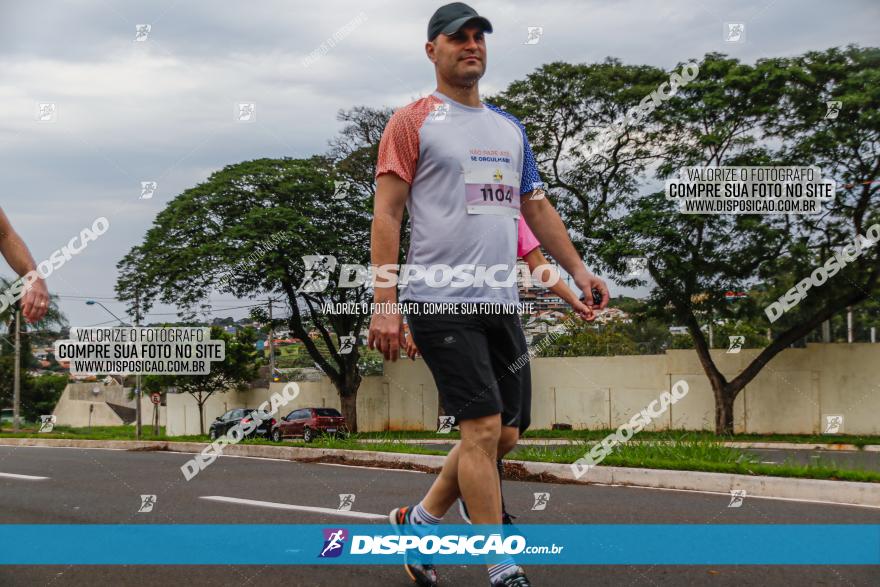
x,y
104,486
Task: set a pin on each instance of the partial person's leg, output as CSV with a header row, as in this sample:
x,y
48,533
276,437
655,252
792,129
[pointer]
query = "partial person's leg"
x,y
444,490
515,387
509,438
477,473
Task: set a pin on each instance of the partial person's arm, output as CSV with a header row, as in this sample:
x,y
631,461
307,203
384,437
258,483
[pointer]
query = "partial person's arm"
x,y
412,351
35,300
545,222
528,248
386,327
535,258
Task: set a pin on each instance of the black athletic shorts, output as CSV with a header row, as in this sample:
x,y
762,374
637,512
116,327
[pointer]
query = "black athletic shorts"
x,y
480,364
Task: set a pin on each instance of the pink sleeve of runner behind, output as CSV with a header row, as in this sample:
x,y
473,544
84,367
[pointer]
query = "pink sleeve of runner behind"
x,y
526,241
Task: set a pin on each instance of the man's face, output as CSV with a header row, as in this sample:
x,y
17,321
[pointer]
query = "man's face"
x,y
460,57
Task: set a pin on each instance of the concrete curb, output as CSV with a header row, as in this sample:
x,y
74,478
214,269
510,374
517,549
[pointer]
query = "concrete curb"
x,y
805,446
819,490
268,451
836,492
567,441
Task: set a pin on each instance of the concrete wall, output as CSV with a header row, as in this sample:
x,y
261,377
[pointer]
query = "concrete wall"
x,y
72,408
790,395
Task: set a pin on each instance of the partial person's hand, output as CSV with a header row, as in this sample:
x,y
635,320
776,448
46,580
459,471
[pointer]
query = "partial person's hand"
x,y
35,301
586,283
412,351
582,310
386,334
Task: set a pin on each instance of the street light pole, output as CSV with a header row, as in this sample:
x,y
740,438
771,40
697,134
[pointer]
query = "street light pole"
x,y
137,378
16,378
106,309
271,346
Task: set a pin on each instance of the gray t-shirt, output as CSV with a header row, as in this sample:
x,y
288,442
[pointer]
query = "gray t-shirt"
x,y
467,169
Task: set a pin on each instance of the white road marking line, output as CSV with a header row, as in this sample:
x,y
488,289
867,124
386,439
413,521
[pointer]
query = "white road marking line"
x,y
282,460
181,452
372,468
23,477
300,508
248,457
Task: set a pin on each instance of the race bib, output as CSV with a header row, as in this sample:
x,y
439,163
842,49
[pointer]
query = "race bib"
x,y
492,190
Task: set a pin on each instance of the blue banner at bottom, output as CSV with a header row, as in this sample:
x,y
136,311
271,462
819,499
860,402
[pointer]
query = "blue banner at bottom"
x,y
366,544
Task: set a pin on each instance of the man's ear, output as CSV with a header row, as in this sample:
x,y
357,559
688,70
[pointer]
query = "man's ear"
x,y
430,48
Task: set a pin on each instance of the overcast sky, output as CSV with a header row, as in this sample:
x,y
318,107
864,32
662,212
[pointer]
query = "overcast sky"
x,y
163,109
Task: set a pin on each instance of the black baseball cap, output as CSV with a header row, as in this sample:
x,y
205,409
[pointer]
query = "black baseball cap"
x,y
451,17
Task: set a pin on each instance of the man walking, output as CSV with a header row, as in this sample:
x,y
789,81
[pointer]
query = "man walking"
x,y
528,249
465,172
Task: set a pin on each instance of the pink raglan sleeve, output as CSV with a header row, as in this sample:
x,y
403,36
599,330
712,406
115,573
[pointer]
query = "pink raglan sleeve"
x,y
526,241
399,146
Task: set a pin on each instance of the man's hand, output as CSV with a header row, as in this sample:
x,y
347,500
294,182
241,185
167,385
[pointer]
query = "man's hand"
x,y
35,301
386,334
586,282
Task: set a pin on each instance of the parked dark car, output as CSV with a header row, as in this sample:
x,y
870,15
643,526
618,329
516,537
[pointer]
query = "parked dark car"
x,y
309,423
222,424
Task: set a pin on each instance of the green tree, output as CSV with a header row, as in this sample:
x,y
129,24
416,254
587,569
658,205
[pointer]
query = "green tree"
x,y
207,237
324,203
590,158
694,259
45,391
771,113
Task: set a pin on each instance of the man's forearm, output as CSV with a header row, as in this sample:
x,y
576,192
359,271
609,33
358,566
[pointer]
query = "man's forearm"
x,y
385,242
545,222
16,253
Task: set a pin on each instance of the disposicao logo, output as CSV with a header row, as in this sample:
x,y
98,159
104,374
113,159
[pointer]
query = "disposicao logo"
x,y
334,542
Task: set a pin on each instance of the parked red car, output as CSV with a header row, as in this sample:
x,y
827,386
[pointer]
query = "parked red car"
x,y
309,423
